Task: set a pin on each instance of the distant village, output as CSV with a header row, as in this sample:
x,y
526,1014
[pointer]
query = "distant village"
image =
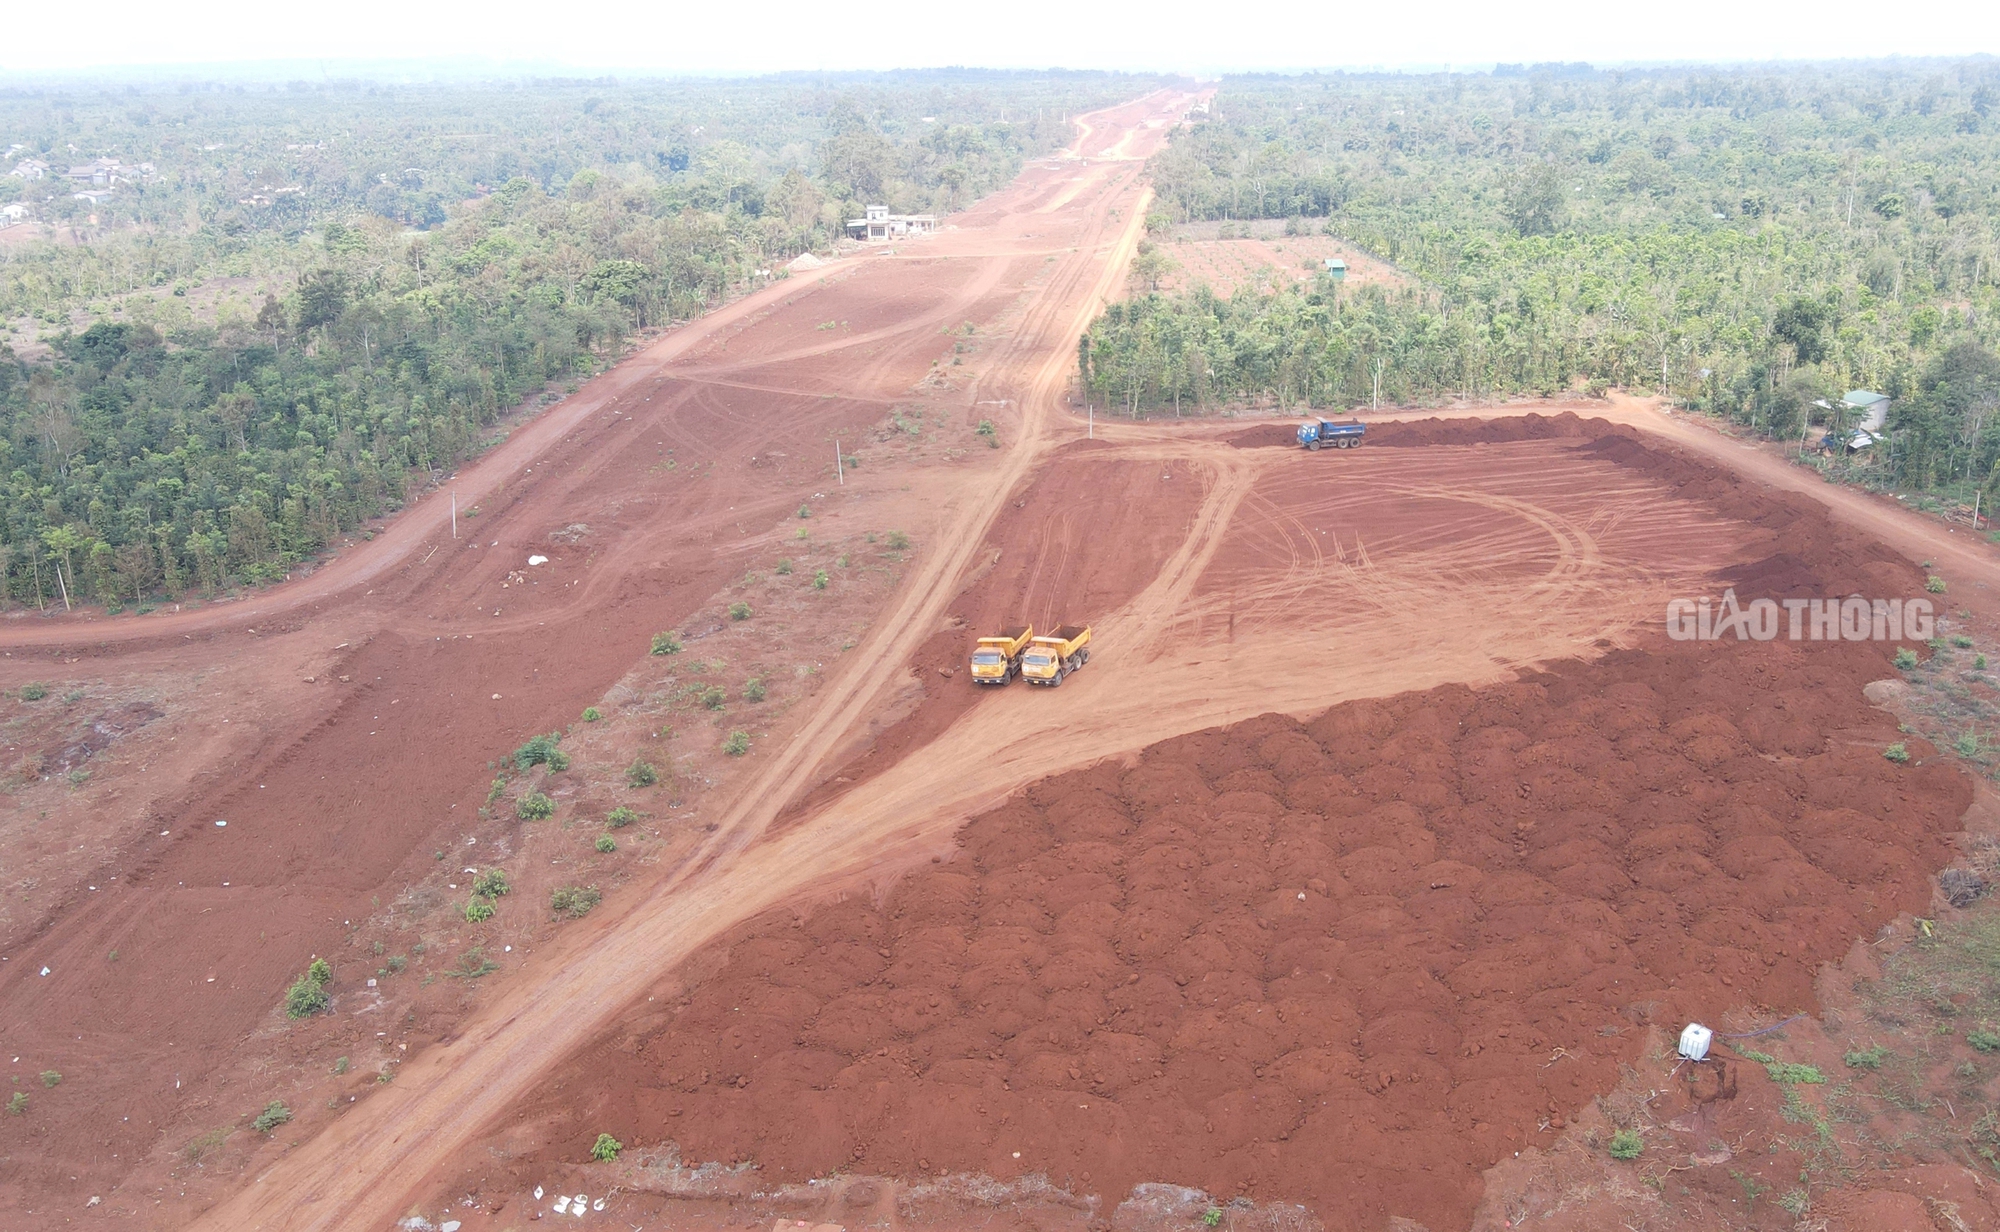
x,y
94,182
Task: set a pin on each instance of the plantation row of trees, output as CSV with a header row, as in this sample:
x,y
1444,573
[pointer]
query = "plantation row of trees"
x,y
1748,241
165,448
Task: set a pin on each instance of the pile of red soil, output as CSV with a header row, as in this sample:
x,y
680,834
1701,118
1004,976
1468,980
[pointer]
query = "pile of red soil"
x,y
1533,426
1351,962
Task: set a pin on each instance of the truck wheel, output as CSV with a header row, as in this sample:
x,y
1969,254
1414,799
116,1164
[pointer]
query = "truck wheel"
x,y
1313,445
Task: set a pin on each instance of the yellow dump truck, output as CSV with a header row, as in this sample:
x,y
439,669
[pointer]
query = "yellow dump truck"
x,y
997,660
1051,658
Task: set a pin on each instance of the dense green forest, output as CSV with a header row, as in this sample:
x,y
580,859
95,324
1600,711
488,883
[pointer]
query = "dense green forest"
x,y
1748,241
427,257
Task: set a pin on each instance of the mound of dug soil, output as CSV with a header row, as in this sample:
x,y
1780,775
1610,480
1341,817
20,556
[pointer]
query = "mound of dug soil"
x,y
1532,426
1351,962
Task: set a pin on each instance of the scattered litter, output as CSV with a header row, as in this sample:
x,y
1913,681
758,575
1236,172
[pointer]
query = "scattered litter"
x,y
371,983
562,1205
538,1193
496,697
94,1200
219,823
45,971
449,1225
597,1205
1694,1041
537,560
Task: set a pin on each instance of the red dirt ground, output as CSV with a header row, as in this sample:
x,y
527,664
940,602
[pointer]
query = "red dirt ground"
x,y
1412,935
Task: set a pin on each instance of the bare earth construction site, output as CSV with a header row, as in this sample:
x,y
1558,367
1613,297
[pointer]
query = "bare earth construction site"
x,y
1383,829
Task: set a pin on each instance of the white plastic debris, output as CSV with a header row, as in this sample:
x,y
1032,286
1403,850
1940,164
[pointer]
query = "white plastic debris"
x,y
537,560
449,1225
1694,1041
597,1205
538,1193
562,1205
219,823
45,970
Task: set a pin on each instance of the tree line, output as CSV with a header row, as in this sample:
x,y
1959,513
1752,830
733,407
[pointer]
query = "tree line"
x,y
1750,241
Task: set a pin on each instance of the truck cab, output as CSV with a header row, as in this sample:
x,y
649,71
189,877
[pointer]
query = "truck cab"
x,y
997,660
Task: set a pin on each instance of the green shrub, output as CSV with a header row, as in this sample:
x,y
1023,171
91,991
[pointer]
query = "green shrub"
x,y
491,884
1897,753
1791,1073
753,689
606,844
274,1115
1626,1144
18,1104
1985,1039
1867,1058
898,541
308,996
591,714
1905,658
739,610
785,565
1961,641
986,428
1212,1217
805,512
606,1149
478,911
1967,745
1934,584
1979,662
574,901
820,580
738,743
34,691
620,817
713,697
666,643
535,807
51,1078
540,751
641,774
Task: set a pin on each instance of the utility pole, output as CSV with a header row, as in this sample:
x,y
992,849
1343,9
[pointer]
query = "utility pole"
x,y
838,472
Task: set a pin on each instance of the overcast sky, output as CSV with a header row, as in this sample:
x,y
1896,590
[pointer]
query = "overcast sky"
x,y
768,35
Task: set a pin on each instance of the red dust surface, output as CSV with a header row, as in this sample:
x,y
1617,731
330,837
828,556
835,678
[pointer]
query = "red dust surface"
x,y
1353,961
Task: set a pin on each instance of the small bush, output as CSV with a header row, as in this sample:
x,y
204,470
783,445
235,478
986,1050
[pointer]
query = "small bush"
x,y
308,995
739,610
1979,662
535,807
785,565
898,541
574,901
274,1115
340,1065
738,743
620,817
713,697
491,884
606,1149
1985,1039
1867,1058
986,428
1934,584
753,689
606,844
805,512
820,580
1626,1144
34,691
478,911
1212,1217
51,1078
18,1104
1905,658
1966,745
1897,753
1791,1073
1961,641
540,751
666,643
591,714
641,774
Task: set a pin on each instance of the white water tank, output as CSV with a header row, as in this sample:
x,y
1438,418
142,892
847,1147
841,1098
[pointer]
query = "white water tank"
x,y
1694,1041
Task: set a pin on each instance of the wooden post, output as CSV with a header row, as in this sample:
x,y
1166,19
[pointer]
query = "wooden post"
x,y
839,472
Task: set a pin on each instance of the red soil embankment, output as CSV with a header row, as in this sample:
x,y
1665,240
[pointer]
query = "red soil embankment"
x,y
1352,961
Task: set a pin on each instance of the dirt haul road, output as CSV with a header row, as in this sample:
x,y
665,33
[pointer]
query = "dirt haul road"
x,y
1057,240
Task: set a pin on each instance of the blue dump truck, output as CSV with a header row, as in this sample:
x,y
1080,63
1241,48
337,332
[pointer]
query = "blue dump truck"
x,y
1316,432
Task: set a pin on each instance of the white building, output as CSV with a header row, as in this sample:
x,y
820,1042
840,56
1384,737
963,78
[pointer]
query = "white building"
x,y
880,224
